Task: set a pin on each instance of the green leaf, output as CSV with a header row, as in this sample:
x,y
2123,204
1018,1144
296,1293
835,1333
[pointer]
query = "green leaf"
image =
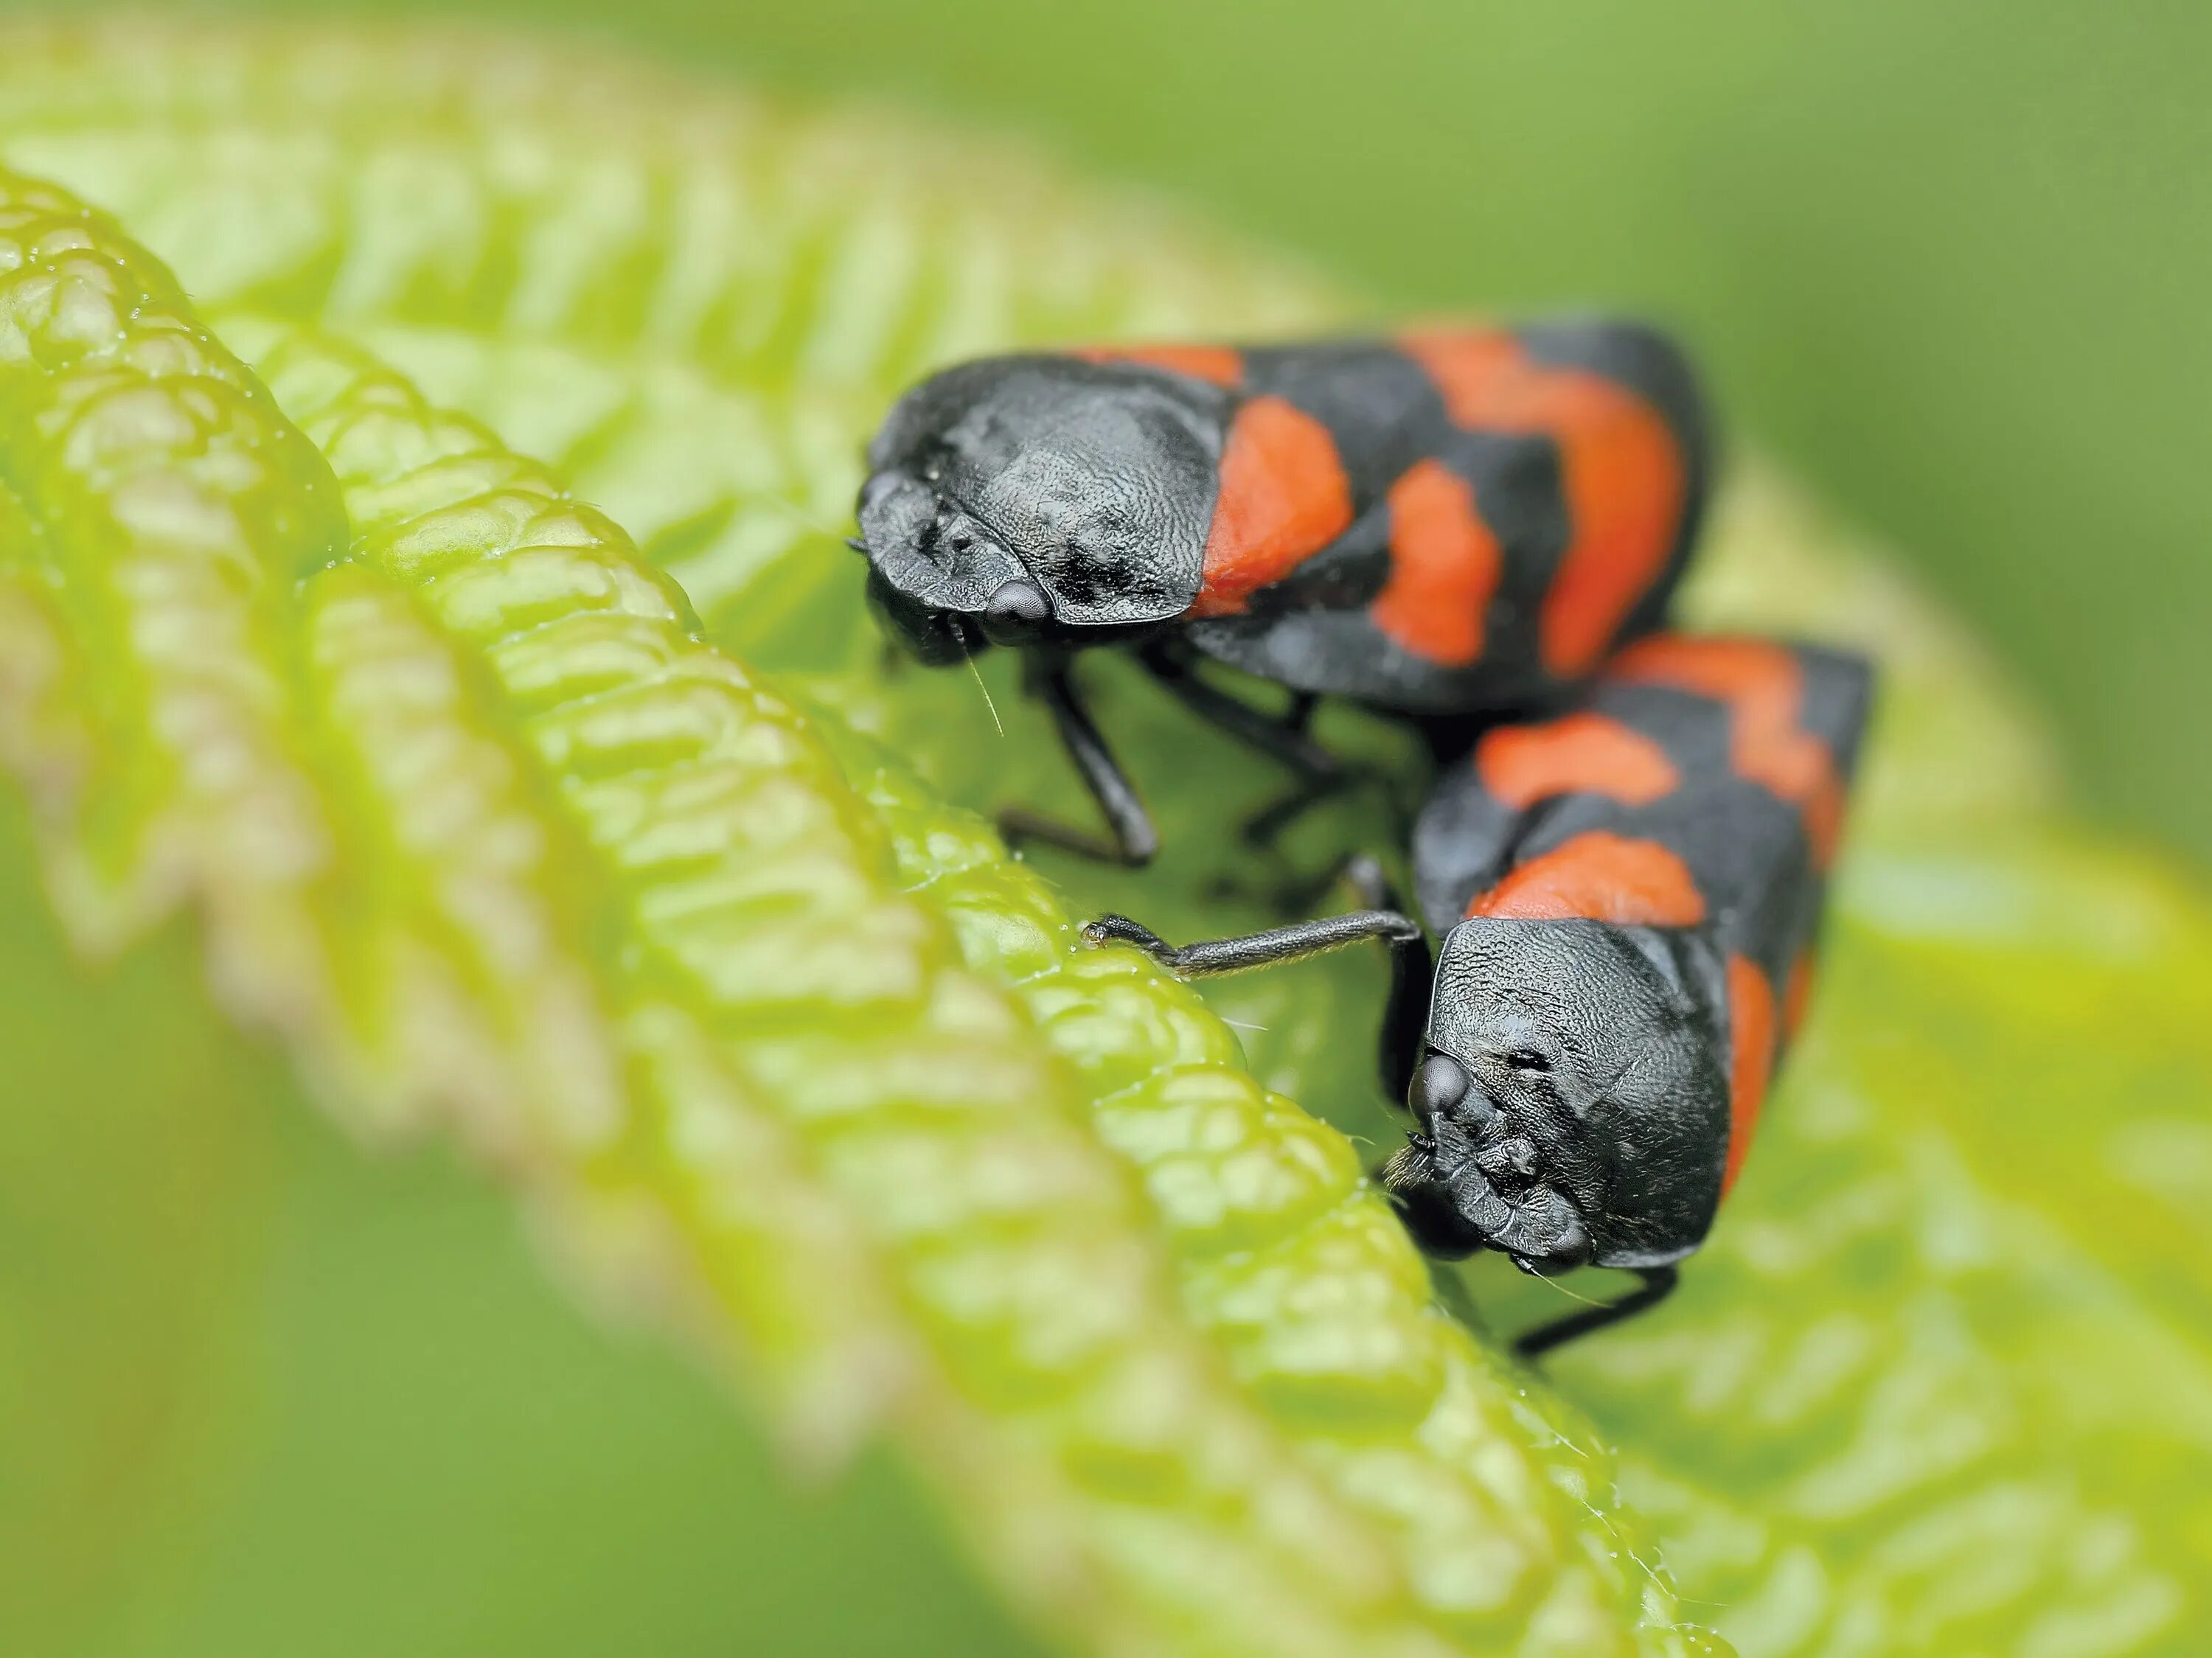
x,y
720,975
484,832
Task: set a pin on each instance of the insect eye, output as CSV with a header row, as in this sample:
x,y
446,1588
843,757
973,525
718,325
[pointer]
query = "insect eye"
x,y
1015,612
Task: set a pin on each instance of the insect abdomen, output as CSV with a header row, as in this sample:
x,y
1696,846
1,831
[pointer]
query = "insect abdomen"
x,y
1456,520
1701,785
1616,404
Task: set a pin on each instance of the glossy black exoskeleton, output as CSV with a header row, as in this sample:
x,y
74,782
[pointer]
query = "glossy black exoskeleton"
x,y
1627,899
1451,523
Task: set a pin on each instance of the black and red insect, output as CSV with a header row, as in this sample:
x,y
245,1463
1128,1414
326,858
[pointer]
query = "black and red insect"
x,y
1627,898
1461,527
1452,522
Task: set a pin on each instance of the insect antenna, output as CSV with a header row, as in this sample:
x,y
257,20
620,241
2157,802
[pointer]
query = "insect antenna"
x,y
977,674
1553,1283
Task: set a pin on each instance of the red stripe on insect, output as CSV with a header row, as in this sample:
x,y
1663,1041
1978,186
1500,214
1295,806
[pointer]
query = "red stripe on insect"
x,y
1798,995
1600,877
1751,1057
1284,497
1621,471
1579,754
1445,566
1221,365
1764,687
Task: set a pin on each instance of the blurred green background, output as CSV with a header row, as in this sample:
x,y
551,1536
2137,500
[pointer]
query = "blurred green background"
x,y
260,1394
1950,260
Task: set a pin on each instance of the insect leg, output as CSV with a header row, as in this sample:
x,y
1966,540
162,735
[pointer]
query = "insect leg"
x,y
1211,957
1402,1037
1406,1014
1282,737
1131,840
1658,1283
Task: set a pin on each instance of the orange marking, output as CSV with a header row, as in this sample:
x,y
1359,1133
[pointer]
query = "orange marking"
x,y
1599,877
1284,497
1751,1057
1580,754
1620,467
1763,688
1445,566
1798,994
1223,365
